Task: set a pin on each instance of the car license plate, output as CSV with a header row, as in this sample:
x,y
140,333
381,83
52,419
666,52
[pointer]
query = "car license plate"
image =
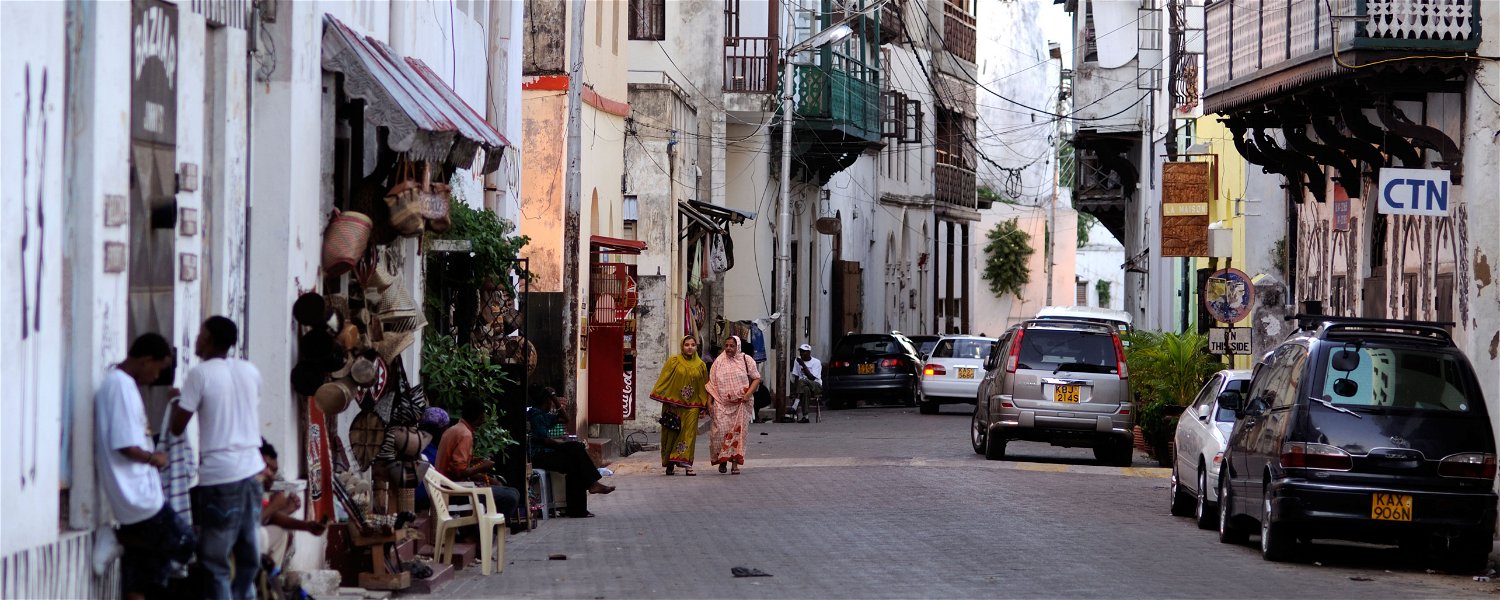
x,y
866,368
966,373
1065,393
1390,507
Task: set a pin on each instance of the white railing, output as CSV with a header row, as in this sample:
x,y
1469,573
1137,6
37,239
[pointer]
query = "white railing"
x,y
1420,19
1246,37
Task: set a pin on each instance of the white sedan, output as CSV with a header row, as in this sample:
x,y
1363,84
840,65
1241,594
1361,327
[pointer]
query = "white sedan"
x,y
1201,434
953,371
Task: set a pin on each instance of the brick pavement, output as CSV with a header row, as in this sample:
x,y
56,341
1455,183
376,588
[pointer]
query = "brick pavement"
x,y
884,503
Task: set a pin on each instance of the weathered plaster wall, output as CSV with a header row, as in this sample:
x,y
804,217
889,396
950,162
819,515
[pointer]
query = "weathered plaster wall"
x,y
544,123
1483,203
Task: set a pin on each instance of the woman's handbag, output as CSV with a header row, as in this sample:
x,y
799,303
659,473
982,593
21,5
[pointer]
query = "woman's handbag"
x,y
670,421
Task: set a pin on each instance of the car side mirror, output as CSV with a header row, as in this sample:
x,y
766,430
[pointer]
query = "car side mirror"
x,y
1345,387
1345,360
1232,400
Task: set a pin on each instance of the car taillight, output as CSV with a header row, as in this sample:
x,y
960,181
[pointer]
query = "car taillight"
x,y
1301,455
1218,457
1120,357
840,363
934,369
1014,357
890,362
1469,464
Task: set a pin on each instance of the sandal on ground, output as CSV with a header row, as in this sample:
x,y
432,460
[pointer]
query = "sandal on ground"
x,y
670,468
688,471
723,467
735,470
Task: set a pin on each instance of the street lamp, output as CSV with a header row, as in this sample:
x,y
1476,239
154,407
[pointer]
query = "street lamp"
x,y
825,37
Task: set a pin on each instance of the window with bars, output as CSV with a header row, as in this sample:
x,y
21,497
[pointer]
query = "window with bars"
x,y
648,19
1338,297
1081,296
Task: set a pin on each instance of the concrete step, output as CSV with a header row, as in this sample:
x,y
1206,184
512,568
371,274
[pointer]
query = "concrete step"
x,y
441,574
602,450
463,553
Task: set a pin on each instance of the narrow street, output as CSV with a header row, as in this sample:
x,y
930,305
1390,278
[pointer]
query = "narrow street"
x,y
885,503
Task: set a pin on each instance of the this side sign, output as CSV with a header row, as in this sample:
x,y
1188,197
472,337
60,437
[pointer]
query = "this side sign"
x,y
1414,192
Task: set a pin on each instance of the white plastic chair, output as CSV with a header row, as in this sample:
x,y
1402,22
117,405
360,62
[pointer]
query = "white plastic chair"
x,y
483,512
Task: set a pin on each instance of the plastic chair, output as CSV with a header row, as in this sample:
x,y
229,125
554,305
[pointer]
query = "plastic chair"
x,y
483,512
546,482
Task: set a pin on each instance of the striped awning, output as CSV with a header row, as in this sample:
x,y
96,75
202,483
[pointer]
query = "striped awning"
x,y
425,117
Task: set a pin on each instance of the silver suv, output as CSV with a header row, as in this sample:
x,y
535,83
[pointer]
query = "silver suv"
x,y
1058,381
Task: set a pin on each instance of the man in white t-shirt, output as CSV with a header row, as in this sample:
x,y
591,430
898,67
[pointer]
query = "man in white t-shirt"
x,y
224,393
149,530
807,380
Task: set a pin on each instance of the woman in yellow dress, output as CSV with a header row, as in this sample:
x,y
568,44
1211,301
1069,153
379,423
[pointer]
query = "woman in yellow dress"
x,y
680,390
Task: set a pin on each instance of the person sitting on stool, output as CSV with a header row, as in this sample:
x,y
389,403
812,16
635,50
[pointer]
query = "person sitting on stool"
x,y
807,376
553,450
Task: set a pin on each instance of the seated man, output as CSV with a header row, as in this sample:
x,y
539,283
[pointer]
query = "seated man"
x,y
276,520
553,451
455,460
807,381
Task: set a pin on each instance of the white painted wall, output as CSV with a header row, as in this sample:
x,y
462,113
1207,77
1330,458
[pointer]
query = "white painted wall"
x,y
32,334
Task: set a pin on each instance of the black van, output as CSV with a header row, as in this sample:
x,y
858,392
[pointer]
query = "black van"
x,y
1366,430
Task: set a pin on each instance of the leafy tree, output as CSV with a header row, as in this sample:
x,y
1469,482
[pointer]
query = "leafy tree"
x,y
1006,257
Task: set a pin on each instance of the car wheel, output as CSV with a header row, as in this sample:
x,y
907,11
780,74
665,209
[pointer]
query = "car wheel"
x,y
1277,542
1182,503
978,431
914,395
1229,532
835,401
994,447
1115,454
1202,509
1465,553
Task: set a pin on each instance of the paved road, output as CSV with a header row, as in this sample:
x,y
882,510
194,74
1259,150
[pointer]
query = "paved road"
x,y
886,503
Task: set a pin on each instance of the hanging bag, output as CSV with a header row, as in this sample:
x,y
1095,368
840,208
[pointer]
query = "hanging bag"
x,y
404,200
433,203
345,241
718,258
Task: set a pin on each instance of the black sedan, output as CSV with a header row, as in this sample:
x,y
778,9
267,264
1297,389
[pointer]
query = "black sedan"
x,y
870,366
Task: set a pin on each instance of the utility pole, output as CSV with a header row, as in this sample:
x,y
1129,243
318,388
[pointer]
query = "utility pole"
x,y
571,283
1055,52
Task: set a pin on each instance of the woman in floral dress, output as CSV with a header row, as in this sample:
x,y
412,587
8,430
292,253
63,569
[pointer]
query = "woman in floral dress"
x,y
680,390
731,382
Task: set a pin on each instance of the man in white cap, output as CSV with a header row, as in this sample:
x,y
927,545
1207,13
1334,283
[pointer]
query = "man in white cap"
x,y
807,380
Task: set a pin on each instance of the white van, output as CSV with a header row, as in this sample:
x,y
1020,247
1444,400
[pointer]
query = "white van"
x,y
1119,318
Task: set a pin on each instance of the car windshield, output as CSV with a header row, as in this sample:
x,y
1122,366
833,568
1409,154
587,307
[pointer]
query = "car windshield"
x,y
1234,385
961,348
925,345
1052,349
857,346
1399,378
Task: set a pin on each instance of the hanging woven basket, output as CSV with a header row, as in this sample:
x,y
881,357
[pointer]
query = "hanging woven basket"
x,y
345,242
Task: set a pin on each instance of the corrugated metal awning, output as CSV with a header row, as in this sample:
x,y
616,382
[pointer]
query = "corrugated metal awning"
x,y
426,118
600,243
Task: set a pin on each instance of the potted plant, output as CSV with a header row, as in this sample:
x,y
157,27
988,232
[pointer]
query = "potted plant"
x,y
1166,371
